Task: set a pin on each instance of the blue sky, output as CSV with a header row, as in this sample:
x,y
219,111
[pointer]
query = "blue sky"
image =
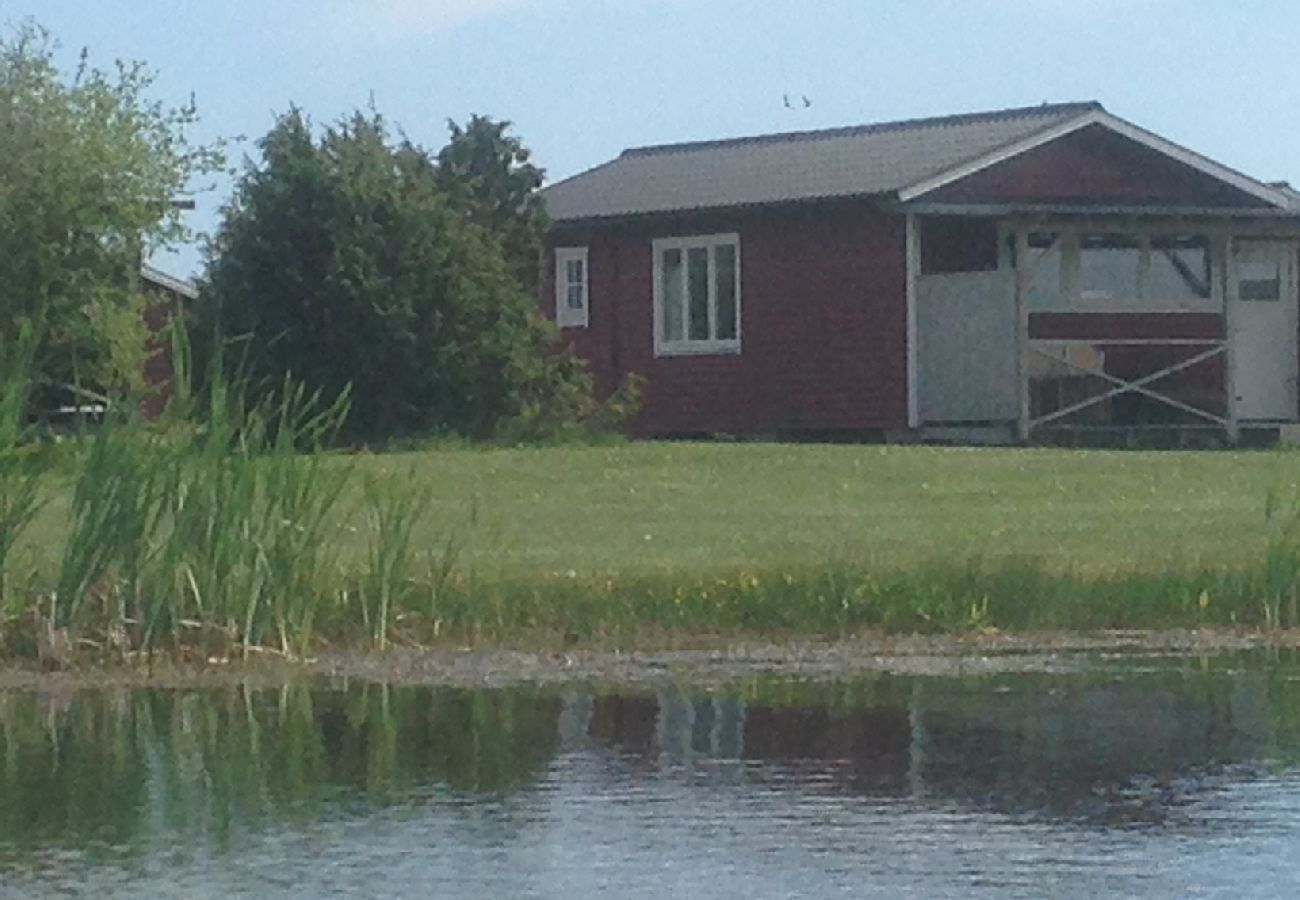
x,y
582,79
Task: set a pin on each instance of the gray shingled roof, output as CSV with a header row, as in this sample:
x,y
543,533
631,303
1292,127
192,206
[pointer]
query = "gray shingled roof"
x,y
840,162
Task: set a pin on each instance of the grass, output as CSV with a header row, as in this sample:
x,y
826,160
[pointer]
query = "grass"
x,y
656,542
689,510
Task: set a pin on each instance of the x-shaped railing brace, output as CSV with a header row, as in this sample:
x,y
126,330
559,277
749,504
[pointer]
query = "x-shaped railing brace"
x,y
1132,387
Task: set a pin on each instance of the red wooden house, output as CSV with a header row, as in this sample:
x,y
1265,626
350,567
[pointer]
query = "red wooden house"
x,y
999,275
168,296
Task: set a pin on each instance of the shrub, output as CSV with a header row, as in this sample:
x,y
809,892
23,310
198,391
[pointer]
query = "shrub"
x,y
342,261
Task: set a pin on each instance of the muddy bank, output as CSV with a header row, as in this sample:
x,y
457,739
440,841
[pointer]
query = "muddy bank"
x,y
938,656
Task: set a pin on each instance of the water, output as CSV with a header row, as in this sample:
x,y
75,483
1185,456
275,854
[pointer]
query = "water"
x,y
1142,778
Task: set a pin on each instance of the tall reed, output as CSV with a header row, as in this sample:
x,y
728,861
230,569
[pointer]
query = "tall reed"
x,y
19,495
216,529
393,510
209,528
1280,592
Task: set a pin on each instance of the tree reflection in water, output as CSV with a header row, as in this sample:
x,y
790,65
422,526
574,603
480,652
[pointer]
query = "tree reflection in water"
x,y
105,768
113,772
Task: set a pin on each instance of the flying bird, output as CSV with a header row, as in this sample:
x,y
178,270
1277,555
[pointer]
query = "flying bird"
x,y
786,99
806,102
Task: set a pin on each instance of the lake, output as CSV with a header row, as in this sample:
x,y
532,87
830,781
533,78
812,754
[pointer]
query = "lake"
x,y
1126,776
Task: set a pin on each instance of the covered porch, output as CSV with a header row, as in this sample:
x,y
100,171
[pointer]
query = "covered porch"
x,y
1051,325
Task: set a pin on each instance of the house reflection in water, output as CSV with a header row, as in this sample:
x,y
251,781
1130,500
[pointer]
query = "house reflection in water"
x,y
1111,749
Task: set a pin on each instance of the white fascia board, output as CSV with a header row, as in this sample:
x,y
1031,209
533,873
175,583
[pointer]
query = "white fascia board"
x,y
1119,126
184,287
923,207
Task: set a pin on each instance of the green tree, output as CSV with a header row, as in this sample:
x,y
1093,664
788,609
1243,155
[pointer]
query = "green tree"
x,y
488,174
342,261
89,167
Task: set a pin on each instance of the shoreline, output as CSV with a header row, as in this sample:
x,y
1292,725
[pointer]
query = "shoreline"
x,y
708,664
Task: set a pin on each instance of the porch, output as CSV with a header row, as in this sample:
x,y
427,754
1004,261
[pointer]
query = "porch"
x,y
1050,327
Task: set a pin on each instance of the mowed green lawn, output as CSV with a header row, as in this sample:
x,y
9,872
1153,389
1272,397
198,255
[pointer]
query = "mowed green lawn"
x,y
697,509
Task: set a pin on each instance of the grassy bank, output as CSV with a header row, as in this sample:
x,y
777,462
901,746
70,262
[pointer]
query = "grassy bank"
x,y
702,509
671,509
646,543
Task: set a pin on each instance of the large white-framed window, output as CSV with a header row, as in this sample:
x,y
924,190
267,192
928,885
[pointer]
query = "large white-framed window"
x,y
1113,271
572,287
697,294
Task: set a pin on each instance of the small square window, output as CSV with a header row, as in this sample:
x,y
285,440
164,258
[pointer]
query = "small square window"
x,y
572,287
1259,281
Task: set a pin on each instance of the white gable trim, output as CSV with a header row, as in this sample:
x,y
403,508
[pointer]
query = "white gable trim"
x,y
1010,151
185,288
1117,125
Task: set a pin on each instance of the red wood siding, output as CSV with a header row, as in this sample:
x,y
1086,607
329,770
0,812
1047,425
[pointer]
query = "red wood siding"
x,y
823,322
1093,167
162,307
1121,326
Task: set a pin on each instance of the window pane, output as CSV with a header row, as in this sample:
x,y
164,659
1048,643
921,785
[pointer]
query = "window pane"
x,y
575,271
698,265
1109,266
1180,269
724,261
1045,288
577,297
1259,280
671,292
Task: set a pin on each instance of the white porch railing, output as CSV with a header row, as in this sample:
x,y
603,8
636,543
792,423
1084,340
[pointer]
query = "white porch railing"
x,y
1141,385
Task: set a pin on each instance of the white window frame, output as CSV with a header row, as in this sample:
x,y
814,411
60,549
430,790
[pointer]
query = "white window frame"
x,y
687,346
1068,295
565,315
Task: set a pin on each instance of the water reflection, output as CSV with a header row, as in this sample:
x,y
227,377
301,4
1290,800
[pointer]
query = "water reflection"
x,y
1111,746
116,775
105,768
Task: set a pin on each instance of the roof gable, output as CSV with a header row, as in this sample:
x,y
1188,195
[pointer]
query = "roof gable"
x,y
1094,167
1100,118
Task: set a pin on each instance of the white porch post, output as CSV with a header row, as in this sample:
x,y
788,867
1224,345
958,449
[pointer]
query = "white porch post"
x,y
913,255
1228,280
1023,273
